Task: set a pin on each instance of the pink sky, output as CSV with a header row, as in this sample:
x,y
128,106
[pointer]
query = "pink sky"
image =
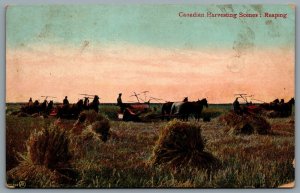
x,y
170,74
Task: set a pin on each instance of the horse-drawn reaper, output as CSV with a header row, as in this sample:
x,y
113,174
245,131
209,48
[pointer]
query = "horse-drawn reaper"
x,y
134,111
273,109
247,107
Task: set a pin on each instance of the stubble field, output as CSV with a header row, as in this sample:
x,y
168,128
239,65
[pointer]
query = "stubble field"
x,y
247,161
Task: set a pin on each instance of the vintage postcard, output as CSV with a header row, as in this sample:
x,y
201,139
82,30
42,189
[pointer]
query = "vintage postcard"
x,y
150,96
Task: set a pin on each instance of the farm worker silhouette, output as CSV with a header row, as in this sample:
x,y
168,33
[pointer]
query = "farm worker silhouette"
x,y
236,106
119,100
30,103
120,103
65,101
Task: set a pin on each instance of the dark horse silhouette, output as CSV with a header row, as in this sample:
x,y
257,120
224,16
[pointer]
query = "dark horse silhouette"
x,y
70,111
183,110
270,106
43,106
49,107
194,108
166,110
94,104
86,103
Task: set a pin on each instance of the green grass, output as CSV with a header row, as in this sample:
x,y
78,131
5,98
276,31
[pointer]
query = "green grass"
x,y
262,161
110,111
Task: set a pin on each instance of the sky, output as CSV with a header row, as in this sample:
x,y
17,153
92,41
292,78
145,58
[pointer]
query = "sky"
x,y
67,50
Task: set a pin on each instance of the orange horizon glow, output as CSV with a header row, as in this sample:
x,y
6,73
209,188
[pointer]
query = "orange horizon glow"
x,y
169,74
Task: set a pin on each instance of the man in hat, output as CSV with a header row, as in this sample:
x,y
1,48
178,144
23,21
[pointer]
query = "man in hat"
x,y
30,103
119,100
65,101
236,106
120,103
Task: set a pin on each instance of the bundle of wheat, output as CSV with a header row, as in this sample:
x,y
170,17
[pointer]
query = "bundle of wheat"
x,y
180,145
49,147
47,155
102,128
81,144
85,142
36,176
97,122
231,118
245,123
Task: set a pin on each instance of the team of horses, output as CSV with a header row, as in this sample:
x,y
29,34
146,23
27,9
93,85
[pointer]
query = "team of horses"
x,y
278,108
183,110
36,107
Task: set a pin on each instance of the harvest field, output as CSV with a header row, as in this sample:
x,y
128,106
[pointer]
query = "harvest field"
x,y
246,161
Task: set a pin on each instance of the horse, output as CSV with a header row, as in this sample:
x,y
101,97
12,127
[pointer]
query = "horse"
x,y
184,109
192,108
49,107
86,103
167,107
94,104
43,106
176,107
70,111
166,110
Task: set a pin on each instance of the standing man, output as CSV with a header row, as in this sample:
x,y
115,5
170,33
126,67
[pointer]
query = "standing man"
x,y
30,103
119,100
236,106
120,103
65,101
